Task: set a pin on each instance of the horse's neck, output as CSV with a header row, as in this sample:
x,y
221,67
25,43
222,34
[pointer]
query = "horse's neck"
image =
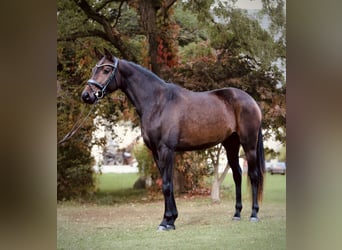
x,y
142,92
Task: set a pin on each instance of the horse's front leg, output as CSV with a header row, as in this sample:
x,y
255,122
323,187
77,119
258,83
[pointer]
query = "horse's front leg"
x,y
164,158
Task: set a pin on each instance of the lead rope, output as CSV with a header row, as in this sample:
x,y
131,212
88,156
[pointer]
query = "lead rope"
x,y
76,126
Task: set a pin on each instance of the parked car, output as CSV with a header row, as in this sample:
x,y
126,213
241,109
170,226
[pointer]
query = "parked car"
x,y
267,166
277,168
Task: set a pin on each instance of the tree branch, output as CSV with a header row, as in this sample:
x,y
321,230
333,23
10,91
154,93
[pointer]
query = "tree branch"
x,y
110,33
90,33
119,14
90,12
101,6
168,4
223,175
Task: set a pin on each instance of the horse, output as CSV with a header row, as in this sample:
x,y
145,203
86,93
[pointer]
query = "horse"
x,y
175,119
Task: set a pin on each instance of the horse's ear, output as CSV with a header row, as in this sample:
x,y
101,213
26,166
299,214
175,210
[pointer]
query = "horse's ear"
x,y
108,55
98,54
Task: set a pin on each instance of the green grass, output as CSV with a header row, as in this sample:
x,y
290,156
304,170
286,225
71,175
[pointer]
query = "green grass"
x,y
112,182
117,188
201,225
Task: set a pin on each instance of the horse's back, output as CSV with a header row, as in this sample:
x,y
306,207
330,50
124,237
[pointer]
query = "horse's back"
x,y
242,102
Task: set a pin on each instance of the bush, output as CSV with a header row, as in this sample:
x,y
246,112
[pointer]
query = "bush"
x,y
189,170
194,168
75,175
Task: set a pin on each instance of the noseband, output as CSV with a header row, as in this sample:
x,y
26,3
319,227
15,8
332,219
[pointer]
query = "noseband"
x,y
103,88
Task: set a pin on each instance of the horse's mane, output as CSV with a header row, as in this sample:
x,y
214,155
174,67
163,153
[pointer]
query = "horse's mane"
x,y
146,72
149,74
153,77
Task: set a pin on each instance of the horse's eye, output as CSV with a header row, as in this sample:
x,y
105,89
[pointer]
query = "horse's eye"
x,y
105,71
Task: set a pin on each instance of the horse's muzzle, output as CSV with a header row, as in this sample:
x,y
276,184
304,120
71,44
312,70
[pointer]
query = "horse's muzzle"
x,y
88,97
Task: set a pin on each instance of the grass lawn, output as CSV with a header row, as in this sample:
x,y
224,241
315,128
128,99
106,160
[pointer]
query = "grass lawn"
x,y
121,218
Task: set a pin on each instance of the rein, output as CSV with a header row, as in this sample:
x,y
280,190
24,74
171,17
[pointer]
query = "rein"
x,y
76,126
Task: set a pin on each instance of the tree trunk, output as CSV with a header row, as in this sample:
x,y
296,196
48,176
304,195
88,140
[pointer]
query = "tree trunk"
x,y
217,181
215,191
148,16
154,18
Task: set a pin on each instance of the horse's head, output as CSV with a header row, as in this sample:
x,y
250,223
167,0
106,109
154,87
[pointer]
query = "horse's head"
x,y
103,78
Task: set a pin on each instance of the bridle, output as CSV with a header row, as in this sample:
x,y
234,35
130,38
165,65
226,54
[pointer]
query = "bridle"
x,y
103,88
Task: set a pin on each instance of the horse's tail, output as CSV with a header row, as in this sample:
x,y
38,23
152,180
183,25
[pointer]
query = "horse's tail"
x,y
260,164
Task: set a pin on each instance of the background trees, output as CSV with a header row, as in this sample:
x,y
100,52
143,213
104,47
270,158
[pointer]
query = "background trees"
x,y
200,45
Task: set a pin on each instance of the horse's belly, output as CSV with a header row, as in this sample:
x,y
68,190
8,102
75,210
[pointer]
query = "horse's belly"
x,y
204,133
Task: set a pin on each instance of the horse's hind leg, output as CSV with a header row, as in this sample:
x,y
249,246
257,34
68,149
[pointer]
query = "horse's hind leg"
x,y
232,146
254,173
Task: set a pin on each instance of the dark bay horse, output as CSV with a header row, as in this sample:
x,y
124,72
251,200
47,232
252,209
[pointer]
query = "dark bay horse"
x,y
176,119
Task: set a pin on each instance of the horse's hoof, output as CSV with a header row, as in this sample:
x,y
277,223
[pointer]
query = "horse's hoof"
x,y
236,218
166,228
254,219
161,228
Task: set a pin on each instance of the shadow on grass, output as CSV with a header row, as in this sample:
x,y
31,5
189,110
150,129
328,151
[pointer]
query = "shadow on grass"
x,y
121,196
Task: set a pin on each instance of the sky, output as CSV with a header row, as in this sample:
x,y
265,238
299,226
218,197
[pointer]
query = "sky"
x,y
249,4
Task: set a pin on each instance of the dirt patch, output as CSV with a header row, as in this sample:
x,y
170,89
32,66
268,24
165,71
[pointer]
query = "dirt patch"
x,y
125,215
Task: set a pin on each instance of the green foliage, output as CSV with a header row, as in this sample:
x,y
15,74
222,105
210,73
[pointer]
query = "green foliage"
x,y
74,162
201,8
146,164
190,29
238,33
275,9
68,20
282,154
193,51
